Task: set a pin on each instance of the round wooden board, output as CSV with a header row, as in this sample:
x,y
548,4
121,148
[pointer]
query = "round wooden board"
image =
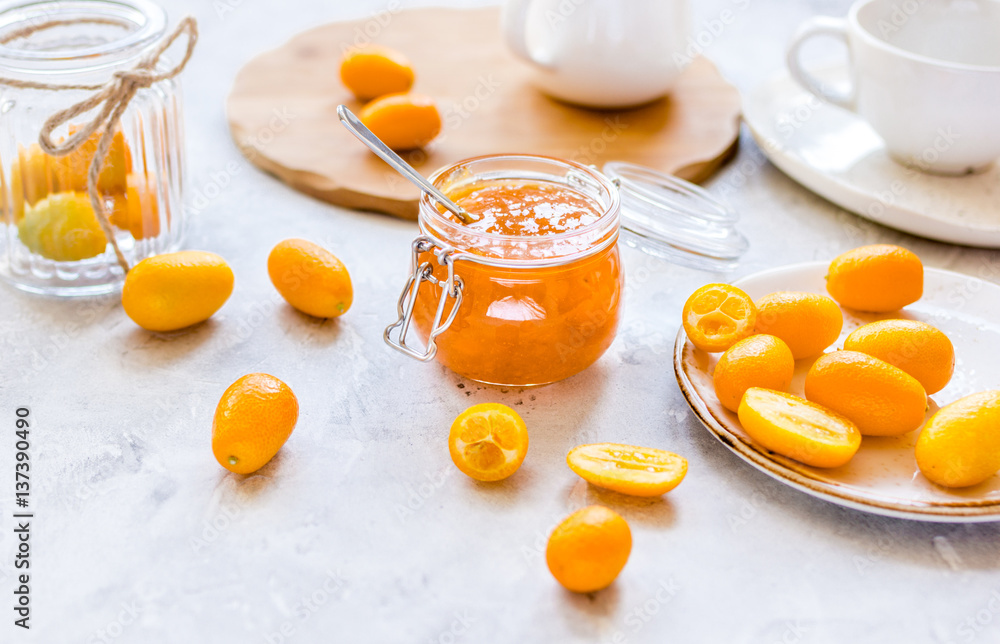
x,y
282,111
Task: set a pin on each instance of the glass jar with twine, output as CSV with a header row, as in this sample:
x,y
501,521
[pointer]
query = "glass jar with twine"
x,y
91,142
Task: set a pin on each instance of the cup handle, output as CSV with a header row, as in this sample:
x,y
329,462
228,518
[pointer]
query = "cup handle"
x,y
819,26
514,25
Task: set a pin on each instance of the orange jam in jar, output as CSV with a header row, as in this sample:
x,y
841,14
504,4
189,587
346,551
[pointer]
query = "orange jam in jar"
x,y
536,286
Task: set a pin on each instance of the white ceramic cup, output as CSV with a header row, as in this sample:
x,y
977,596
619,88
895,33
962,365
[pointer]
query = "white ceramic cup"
x,y
925,74
600,53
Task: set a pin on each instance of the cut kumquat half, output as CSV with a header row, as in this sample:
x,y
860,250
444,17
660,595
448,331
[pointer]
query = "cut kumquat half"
x,y
798,429
488,441
717,316
637,471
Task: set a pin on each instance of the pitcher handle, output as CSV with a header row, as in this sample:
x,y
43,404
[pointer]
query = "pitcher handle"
x,y
514,23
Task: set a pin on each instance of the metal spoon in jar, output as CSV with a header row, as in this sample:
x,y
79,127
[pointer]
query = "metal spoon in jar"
x,y
375,144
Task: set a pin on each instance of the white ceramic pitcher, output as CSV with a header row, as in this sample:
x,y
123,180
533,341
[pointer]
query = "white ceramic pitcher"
x,y
600,53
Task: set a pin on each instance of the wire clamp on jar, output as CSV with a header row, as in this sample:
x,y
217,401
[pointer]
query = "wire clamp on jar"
x,y
451,287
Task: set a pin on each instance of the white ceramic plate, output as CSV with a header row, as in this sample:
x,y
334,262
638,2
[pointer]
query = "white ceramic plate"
x,y
834,153
883,477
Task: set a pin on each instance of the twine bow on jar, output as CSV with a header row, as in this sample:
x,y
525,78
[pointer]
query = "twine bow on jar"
x,y
113,96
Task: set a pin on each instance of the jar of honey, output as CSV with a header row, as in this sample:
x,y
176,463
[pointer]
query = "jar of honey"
x,y
531,291
56,54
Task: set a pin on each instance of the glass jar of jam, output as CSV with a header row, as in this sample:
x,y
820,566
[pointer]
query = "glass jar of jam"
x,y
52,241
531,291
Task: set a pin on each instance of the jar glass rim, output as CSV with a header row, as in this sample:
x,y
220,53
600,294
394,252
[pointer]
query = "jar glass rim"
x,y
610,205
144,20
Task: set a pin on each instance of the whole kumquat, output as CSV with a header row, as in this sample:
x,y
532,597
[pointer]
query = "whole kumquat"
x,y
373,71
402,121
588,549
882,400
310,278
175,290
254,418
960,445
758,361
877,278
807,322
917,348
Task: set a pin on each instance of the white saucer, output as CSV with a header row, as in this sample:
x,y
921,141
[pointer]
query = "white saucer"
x,y
837,155
883,477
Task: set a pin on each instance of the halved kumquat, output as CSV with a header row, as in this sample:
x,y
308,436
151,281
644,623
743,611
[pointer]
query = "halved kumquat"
x,y
717,316
637,471
488,442
798,429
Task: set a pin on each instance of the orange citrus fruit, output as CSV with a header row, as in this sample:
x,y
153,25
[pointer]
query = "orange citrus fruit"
x,y
758,361
882,400
488,442
918,349
638,471
588,549
62,227
877,278
798,428
175,290
254,418
310,278
72,169
374,71
717,316
807,322
402,121
137,210
960,446
31,178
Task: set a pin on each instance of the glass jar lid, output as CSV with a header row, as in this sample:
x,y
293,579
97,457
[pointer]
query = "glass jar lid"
x,y
671,218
